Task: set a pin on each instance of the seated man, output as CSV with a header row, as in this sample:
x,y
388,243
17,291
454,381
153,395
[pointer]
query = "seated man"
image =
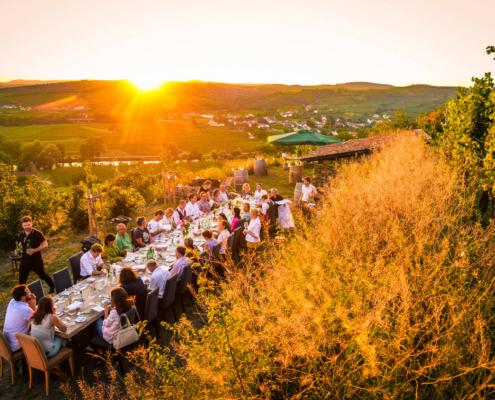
x,y
18,316
159,277
253,231
168,220
192,209
210,242
222,194
141,236
181,262
180,213
204,203
155,227
259,192
123,241
91,262
205,187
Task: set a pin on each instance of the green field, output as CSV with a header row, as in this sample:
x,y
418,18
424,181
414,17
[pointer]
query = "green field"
x,y
137,138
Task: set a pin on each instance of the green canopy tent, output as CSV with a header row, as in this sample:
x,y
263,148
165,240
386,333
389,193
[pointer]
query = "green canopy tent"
x,y
302,137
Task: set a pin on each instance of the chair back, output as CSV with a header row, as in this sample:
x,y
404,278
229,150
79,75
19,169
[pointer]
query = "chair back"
x,y
216,251
170,288
75,266
185,280
34,353
5,351
131,314
151,308
62,280
36,288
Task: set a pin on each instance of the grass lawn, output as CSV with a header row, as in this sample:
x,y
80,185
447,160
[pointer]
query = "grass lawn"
x,y
137,138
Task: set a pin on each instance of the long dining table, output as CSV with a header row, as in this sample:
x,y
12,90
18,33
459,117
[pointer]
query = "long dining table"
x,y
83,303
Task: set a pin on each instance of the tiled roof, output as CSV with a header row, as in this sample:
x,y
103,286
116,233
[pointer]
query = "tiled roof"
x,y
350,148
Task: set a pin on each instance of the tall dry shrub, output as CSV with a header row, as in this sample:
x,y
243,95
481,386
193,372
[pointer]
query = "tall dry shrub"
x,y
387,294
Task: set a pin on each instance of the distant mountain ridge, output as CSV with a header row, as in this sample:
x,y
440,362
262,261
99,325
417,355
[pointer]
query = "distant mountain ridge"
x,y
110,97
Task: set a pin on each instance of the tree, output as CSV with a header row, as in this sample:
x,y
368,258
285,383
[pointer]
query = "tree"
x,y
91,149
490,50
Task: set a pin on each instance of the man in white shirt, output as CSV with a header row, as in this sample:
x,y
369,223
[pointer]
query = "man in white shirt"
x,y
253,231
180,213
192,209
259,192
155,226
222,194
159,277
18,315
181,263
308,190
91,262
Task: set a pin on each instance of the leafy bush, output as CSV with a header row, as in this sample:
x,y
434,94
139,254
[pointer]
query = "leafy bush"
x,y
123,201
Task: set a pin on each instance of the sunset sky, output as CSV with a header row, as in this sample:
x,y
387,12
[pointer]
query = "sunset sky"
x,y
308,42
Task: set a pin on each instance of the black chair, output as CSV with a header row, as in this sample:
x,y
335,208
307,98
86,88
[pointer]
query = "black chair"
x,y
75,266
36,288
151,308
184,284
62,280
169,295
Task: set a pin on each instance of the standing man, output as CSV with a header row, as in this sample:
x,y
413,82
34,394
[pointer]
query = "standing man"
x,y
308,190
32,242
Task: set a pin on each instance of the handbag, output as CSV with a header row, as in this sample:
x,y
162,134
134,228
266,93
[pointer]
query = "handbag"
x,y
126,335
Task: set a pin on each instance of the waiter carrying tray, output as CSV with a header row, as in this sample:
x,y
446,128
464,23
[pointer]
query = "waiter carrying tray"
x,y
32,243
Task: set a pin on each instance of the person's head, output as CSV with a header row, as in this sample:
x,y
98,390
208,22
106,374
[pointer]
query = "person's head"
x,y
246,207
253,213
264,197
223,216
109,239
21,293
222,224
96,250
258,186
159,215
237,212
207,184
216,192
27,223
127,275
222,187
120,300
188,243
182,204
306,180
204,196
180,251
151,264
273,192
141,222
169,212
193,198
245,187
121,229
207,235
44,307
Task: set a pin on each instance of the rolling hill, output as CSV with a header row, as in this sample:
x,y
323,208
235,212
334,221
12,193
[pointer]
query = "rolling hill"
x,y
112,99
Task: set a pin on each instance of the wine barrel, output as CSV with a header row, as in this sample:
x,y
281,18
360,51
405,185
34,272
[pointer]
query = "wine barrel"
x,y
260,168
295,173
298,192
240,177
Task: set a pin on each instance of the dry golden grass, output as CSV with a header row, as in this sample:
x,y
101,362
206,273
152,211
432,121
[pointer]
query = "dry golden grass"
x,y
388,294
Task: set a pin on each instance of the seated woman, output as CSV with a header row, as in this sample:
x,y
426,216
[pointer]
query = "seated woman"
x,y
111,252
223,217
246,191
107,327
236,219
43,323
192,252
135,288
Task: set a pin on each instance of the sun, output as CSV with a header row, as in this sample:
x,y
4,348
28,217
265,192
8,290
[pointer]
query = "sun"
x,y
147,83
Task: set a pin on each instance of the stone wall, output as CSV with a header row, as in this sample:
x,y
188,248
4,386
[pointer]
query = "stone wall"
x,y
322,171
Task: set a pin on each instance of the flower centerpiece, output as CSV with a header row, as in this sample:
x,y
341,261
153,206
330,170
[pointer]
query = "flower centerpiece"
x,y
185,228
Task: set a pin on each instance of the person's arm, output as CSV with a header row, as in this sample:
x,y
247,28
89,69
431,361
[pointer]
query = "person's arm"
x,y
41,247
32,302
56,321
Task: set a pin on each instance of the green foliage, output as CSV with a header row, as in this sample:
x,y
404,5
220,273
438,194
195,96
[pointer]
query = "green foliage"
x,y
27,195
77,211
399,121
467,136
39,155
123,201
